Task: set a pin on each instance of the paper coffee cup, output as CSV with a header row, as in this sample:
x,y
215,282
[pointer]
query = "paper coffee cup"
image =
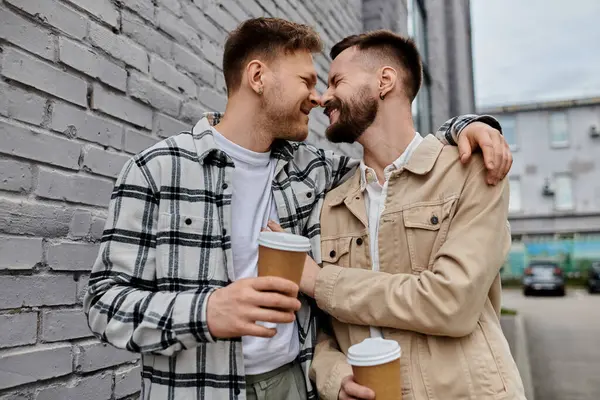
x,y
282,254
376,364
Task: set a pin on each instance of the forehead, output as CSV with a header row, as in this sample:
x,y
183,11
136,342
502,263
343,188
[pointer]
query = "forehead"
x,y
297,61
344,62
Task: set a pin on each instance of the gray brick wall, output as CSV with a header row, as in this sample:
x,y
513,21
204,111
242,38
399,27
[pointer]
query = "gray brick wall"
x,y
84,84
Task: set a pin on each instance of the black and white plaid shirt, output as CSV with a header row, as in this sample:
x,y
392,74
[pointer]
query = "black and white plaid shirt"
x,y
167,246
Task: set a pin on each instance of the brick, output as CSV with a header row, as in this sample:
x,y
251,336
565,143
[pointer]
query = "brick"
x,y
98,224
18,329
103,9
74,188
178,29
198,20
36,290
91,63
166,126
26,218
220,85
93,355
153,94
268,5
193,64
136,141
81,223
22,142
121,107
18,253
89,388
172,5
254,8
213,54
72,256
119,47
103,162
213,100
235,10
192,112
56,14
144,34
165,73
60,325
144,8
15,176
28,70
27,365
82,286
26,34
25,395
128,381
75,122
22,105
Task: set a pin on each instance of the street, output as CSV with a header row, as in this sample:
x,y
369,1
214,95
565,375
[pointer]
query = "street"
x,y
563,335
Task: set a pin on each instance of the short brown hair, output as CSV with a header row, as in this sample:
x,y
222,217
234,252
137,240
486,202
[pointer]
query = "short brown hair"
x,y
387,45
264,37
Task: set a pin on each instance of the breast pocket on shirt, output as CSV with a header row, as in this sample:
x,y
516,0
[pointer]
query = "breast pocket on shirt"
x,y
188,248
426,225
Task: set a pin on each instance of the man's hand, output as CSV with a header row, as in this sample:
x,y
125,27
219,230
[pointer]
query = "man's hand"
x,y
496,152
233,310
351,390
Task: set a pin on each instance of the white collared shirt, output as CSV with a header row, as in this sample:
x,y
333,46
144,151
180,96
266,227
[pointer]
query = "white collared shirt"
x,y
375,195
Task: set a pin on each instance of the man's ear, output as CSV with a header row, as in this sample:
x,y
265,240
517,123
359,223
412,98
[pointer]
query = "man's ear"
x,y
255,71
387,81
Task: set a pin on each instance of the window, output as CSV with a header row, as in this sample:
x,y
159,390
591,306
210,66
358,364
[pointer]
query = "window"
x,y
514,203
563,196
417,29
559,129
509,129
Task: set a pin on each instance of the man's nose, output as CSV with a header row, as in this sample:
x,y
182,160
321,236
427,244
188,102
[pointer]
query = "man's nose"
x,y
314,98
325,98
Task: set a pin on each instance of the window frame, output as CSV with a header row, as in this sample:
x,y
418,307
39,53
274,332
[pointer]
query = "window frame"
x,y
558,144
558,207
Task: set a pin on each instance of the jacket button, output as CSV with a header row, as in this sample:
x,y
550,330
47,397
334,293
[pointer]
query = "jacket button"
x,y
359,241
434,220
188,221
332,253
225,186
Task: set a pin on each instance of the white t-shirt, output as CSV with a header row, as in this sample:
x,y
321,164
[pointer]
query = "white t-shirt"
x,y
252,206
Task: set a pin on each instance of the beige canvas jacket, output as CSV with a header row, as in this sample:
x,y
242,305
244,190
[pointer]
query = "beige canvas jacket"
x,y
443,237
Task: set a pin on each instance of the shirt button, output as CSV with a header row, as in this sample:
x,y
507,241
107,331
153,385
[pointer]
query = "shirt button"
x,y
237,391
225,186
434,220
309,195
224,232
359,241
332,253
188,221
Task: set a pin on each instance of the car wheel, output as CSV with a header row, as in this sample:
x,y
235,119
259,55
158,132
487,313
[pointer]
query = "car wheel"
x,y
561,292
526,292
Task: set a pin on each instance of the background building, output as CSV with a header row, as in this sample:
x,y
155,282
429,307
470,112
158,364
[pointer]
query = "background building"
x,y
84,84
554,182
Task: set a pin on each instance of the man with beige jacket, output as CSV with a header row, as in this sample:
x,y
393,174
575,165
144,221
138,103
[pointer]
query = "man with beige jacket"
x,y
412,244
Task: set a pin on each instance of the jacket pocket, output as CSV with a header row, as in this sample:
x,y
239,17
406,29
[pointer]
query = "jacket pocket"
x,y
426,225
188,248
336,251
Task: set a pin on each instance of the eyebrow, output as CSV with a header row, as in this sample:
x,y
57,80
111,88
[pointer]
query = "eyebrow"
x,y
333,78
311,78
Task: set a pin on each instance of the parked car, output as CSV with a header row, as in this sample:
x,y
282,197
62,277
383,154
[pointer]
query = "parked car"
x,y
543,277
593,282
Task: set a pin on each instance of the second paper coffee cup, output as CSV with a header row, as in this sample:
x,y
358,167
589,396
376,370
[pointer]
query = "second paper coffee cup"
x,y
376,364
282,254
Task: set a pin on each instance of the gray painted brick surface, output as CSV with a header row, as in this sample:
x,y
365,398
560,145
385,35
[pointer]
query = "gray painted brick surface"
x,y
136,141
191,112
187,60
119,47
95,387
144,8
22,142
24,395
103,162
103,9
15,176
81,224
72,256
27,218
93,355
121,107
18,253
178,29
82,285
97,230
28,70
215,101
56,14
74,188
26,34
91,63
28,365
197,19
221,17
128,381
59,325
165,73
21,105
36,290
165,126
154,94
141,32
172,5
18,329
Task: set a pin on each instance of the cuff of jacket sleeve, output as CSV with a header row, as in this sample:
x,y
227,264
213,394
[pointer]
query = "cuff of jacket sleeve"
x,y
189,318
333,386
204,332
486,119
324,286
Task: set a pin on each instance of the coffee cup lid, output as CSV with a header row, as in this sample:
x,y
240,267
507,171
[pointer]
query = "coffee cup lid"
x,y
373,351
284,241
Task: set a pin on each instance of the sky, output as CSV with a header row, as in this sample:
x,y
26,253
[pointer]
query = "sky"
x,y
527,51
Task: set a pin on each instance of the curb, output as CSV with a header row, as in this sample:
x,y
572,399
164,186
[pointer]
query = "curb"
x,y
514,331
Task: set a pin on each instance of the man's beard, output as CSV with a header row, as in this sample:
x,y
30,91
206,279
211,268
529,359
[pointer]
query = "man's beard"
x,y
355,116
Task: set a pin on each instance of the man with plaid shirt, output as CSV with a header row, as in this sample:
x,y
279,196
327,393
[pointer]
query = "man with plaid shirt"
x,y
175,278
